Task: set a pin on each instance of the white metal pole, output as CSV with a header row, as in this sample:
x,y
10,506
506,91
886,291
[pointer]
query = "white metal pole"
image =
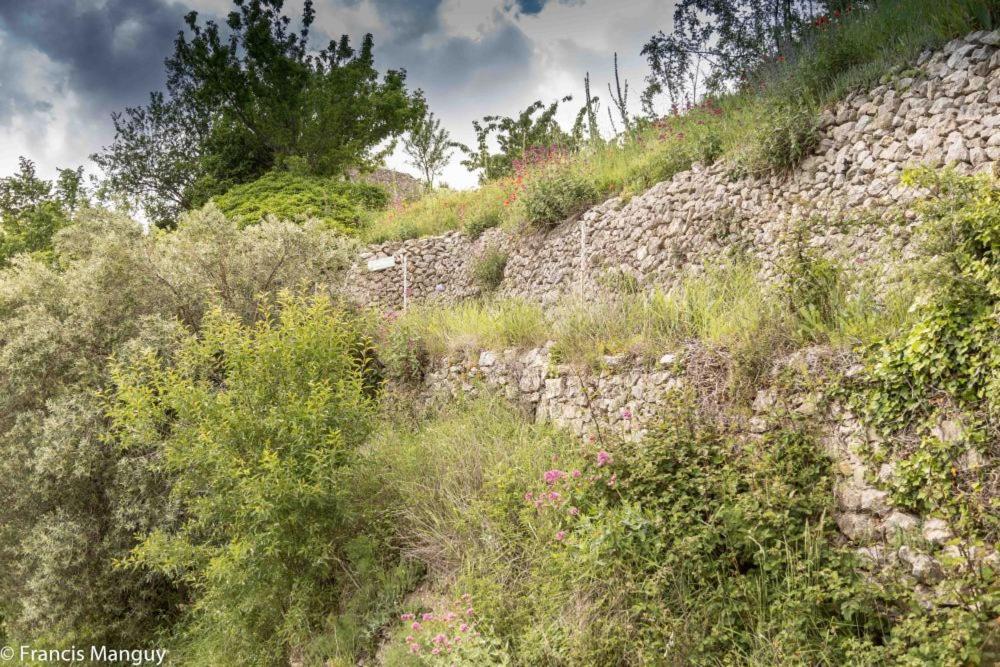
x,y
406,284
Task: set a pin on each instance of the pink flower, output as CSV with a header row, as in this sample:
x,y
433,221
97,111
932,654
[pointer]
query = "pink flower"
x,y
561,535
529,496
626,414
463,628
427,617
573,511
414,648
553,496
603,458
435,651
415,625
576,474
470,611
439,638
553,476
406,617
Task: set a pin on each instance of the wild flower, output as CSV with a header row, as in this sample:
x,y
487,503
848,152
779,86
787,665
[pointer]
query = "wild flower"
x,y
470,611
577,474
427,616
554,496
626,414
406,617
574,511
439,638
603,458
561,535
462,628
553,476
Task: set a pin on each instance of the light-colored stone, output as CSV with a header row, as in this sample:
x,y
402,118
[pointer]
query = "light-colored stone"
x,y
900,522
936,531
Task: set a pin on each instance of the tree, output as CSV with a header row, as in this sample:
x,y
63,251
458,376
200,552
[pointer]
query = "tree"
x,y
249,97
429,147
715,43
514,136
33,209
155,160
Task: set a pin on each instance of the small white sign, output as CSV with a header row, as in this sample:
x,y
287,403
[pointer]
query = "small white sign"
x,y
381,263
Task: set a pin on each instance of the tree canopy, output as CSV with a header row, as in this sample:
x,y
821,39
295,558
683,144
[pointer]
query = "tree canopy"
x,y
33,209
250,96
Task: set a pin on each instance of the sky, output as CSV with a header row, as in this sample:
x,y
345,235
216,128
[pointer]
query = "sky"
x,y
67,65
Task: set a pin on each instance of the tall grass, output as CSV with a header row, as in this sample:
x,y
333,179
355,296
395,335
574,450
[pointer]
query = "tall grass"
x,y
759,131
726,310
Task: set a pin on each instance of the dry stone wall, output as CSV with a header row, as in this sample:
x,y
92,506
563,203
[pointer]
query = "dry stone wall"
x,y
945,110
624,398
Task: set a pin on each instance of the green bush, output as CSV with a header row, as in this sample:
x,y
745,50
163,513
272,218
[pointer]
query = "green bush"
x,y
487,270
784,135
948,354
555,194
481,221
72,501
255,426
688,544
341,205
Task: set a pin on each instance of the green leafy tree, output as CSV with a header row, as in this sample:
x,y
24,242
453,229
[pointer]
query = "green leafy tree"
x,y
256,425
250,96
534,127
33,209
154,162
429,147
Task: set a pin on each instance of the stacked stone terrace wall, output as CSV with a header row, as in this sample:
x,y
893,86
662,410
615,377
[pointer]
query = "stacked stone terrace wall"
x,y
943,111
624,399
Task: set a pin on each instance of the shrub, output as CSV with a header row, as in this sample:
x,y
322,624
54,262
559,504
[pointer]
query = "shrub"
x,y
487,270
340,205
481,221
948,354
783,137
255,425
554,194
73,502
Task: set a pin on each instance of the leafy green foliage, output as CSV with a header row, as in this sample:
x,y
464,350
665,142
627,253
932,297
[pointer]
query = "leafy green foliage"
x,y
487,270
516,136
789,134
687,544
729,39
428,147
32,210
251,97
255,425
72,501
554,195
340,205
952,347
950,354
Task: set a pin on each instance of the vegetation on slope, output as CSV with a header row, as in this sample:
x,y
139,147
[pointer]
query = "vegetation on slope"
x,y
197,448
767,125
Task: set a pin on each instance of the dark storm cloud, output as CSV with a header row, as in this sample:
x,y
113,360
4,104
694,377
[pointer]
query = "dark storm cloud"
x,y
111,51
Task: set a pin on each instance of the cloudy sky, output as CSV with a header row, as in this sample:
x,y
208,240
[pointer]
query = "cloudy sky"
x,y
66,65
